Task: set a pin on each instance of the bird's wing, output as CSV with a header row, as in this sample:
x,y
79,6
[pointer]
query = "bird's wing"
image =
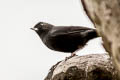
x,y
71,31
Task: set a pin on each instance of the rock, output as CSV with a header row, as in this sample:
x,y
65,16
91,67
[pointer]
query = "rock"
x,y
105,15
88,67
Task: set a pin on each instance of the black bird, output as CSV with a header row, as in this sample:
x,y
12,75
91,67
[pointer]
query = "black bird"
x,y
64,38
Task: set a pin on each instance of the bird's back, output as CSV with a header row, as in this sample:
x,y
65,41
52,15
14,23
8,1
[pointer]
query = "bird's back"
x,y
67,39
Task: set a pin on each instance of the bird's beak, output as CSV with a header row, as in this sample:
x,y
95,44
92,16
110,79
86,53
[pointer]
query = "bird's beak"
x,y
35,29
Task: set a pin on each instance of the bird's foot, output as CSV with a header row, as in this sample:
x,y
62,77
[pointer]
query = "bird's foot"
x,y
72,55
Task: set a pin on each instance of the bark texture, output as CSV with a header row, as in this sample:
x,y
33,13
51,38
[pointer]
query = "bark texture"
x,y
105,15
89,67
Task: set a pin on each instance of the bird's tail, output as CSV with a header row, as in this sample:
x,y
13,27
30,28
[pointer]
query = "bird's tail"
x,y
91,34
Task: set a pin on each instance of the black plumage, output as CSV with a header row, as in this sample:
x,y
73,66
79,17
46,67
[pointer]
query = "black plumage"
x,y
64,38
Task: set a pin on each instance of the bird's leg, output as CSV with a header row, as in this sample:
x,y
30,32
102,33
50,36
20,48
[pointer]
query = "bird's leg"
x,y
74,53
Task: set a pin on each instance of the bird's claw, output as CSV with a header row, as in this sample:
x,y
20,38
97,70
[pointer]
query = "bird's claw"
x,y
72,55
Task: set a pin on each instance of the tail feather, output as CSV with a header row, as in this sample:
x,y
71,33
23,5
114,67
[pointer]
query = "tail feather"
x,y
91,34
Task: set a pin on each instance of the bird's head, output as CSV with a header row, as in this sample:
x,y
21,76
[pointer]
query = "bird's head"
x,y
42,28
